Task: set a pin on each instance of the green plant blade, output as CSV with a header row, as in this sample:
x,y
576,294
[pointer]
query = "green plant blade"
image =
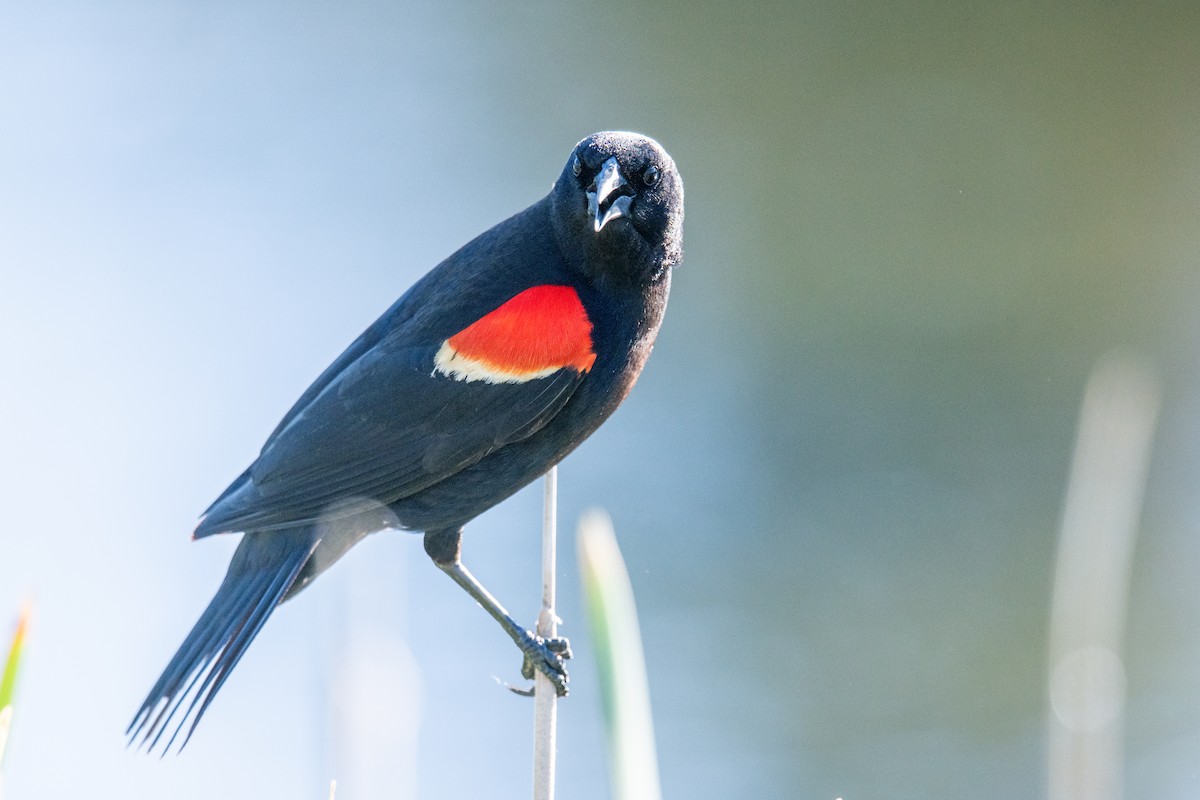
x,y
625,693
8,681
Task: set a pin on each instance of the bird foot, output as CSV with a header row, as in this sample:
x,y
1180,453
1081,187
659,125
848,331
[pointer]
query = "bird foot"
x,y
547,656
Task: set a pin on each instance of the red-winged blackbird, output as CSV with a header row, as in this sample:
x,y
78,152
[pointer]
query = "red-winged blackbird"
x,y
487,372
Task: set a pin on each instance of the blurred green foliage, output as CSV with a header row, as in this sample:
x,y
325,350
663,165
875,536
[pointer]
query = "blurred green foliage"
x,y
8,681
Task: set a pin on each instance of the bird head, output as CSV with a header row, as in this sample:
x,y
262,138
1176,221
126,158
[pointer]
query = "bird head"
x,y
618,207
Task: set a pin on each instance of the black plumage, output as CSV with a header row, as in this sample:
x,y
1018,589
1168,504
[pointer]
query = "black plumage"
x,y
553,312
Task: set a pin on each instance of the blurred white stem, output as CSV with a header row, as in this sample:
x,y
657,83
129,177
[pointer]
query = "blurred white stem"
x,y
545,721
1091,584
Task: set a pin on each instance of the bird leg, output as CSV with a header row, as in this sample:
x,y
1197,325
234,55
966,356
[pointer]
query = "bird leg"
x,y
541,654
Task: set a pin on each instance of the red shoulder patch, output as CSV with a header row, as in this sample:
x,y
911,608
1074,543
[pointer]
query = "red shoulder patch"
x,y
538,332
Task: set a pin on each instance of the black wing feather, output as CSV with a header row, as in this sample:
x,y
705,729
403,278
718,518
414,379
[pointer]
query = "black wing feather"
x,y
385,428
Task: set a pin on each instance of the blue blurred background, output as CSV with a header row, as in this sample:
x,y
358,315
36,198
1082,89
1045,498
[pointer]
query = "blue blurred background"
x,y
911,230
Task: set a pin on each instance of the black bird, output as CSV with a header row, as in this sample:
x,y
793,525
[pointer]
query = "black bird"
x,y
483,375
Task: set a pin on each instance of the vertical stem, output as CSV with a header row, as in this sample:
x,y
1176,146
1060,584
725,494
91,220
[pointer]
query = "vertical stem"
x,y
617,642
1091,587
545,721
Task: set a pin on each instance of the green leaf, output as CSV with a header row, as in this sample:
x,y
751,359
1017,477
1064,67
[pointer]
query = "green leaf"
x,y
625,693
8,681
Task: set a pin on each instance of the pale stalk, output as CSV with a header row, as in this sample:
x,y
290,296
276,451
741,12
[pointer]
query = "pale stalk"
x,y
545,720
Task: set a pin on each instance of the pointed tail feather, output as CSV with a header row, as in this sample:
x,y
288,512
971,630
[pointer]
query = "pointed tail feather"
x,y
262,570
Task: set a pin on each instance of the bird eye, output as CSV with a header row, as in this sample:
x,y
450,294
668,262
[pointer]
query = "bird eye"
x,y
650,176
576,167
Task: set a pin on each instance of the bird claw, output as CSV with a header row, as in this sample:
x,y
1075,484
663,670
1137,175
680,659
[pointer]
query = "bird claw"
x,y
547,656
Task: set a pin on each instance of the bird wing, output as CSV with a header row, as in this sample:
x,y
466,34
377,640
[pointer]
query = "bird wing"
x,y
401,417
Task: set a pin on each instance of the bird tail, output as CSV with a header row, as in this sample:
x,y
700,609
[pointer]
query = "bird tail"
x,y
263,568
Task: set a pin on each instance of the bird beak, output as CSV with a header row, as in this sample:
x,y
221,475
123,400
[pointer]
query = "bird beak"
x,y
605,197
